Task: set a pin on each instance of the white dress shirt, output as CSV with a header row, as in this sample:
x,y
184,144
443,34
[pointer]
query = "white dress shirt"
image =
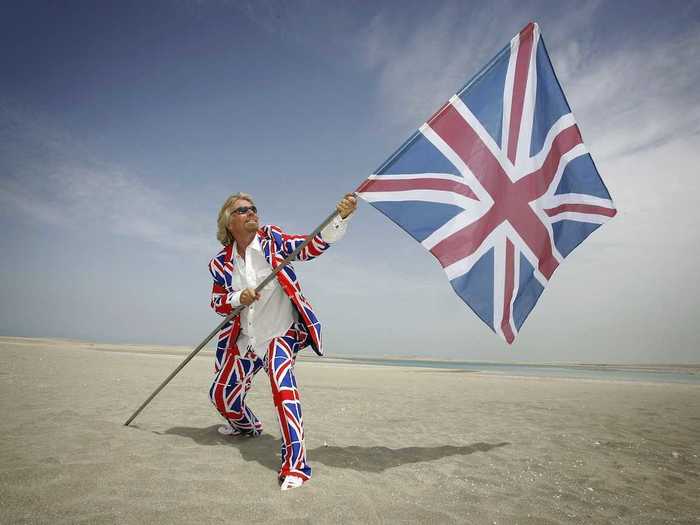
x,y
272,314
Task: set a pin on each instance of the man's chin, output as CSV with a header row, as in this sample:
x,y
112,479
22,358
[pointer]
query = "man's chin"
x,y
251,226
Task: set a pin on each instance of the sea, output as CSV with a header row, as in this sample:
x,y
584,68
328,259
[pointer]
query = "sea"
x,y
641,373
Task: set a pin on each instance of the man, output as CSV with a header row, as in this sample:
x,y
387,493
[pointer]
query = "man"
x,y
276,323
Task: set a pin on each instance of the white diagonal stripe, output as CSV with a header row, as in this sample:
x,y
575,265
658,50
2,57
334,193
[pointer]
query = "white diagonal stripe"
x,y
499,154
455,224
562,123
470,180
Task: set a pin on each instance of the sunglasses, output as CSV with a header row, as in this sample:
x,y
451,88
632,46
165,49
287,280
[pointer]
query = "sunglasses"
x,y
242,210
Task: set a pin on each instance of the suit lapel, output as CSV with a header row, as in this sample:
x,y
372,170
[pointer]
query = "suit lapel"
x,y
268,247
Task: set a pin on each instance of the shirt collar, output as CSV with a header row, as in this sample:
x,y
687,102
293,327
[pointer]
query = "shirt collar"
x,y
254,245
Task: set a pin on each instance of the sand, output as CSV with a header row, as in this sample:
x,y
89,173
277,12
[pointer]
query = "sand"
x,y
387,444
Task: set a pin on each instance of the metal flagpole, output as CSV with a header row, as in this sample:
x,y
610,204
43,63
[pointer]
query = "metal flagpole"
x,y
236,311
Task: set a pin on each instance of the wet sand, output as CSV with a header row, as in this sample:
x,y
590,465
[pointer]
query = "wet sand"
x,y
387,444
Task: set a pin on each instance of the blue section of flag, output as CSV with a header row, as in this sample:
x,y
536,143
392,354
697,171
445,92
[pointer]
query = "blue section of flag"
x,y
550,103
418,218
419,157
581,176
480,100
476,287
529,291
569,234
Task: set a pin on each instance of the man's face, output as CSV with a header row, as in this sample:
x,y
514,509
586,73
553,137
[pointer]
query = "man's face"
x,y
241,224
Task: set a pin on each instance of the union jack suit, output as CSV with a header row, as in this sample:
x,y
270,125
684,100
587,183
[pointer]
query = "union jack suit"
x,y
234,372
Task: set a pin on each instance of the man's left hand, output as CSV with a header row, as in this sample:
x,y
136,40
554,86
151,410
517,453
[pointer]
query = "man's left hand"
x,y
347,205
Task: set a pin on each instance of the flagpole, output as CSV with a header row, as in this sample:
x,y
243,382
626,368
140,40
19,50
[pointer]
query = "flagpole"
x,y
234,313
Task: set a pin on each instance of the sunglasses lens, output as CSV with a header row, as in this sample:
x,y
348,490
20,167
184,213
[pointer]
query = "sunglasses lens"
x,y
245,209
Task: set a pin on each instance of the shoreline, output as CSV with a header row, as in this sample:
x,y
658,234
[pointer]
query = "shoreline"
x,y
692,370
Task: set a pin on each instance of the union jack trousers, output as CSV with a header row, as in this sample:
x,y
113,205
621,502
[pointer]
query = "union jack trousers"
x,y
233,380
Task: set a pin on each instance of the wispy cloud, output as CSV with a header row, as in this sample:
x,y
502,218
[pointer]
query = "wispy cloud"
x,y
638,96
47,176
419,67
628,94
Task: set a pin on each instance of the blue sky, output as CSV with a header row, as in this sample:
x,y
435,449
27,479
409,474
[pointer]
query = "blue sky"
x,y
123,127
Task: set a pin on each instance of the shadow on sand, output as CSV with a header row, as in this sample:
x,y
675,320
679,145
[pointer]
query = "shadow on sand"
x,y
264,450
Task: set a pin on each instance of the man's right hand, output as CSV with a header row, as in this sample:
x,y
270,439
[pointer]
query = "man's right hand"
x,y
248,296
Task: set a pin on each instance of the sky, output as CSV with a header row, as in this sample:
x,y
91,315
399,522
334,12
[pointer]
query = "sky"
x,y
125,125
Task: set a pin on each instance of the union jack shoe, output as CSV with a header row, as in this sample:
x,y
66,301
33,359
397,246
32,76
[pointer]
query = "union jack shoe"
x,y
291,482
228,430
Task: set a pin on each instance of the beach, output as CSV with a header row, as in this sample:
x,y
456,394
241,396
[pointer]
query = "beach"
x,y
388,444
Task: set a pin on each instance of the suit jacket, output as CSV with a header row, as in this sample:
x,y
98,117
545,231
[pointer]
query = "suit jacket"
x,y
276,246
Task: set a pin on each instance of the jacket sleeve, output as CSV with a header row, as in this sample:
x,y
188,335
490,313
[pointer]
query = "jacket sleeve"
x,y
331,233
222,300
315,248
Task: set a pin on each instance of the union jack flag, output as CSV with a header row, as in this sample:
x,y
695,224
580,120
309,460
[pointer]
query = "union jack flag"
x,y
497,185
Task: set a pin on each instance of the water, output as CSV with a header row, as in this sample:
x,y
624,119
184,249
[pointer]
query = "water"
x,y
526,370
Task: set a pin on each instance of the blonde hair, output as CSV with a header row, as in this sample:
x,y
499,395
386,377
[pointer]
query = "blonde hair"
x,y
222,232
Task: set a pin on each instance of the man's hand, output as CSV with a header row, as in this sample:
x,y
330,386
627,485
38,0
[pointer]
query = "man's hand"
x,y
347,205
248,296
